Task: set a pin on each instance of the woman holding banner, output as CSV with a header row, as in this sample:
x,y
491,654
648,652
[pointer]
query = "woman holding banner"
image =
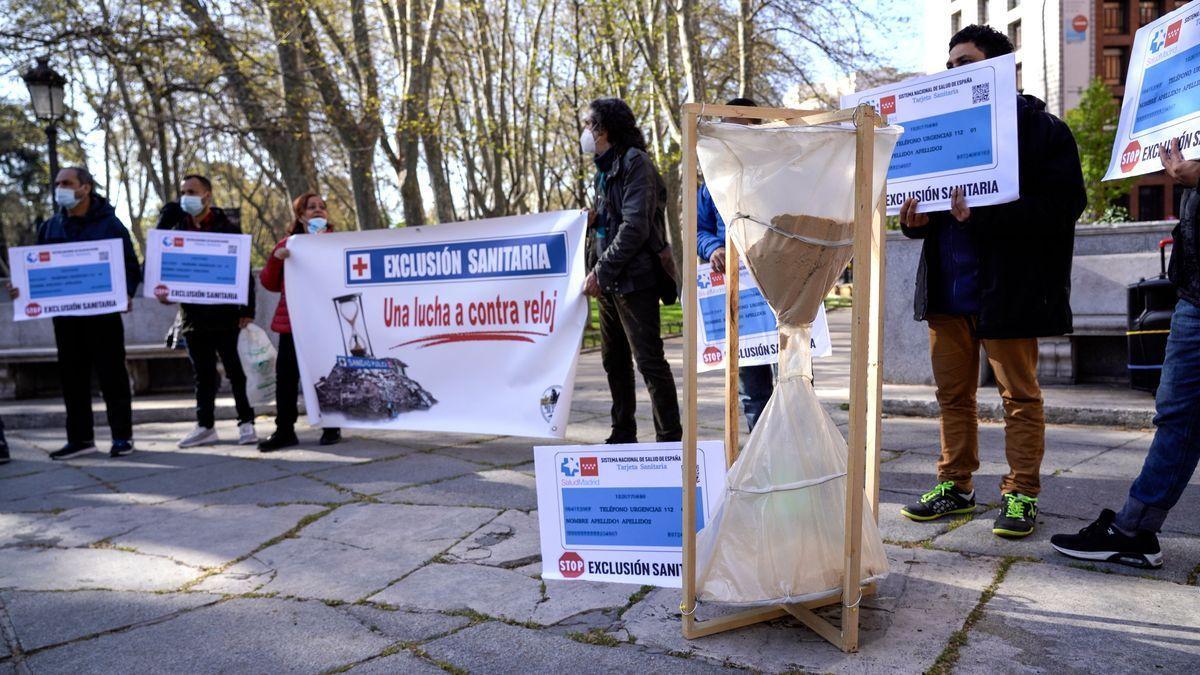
x,y
310,217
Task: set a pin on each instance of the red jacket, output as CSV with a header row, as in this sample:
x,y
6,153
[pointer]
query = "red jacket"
x,y
272,280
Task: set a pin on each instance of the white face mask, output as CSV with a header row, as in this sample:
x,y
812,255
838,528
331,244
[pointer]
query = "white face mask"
x,y
317,225
588,142
65,197
192,204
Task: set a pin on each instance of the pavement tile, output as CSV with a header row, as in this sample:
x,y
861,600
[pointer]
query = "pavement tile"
x,y
288,490
502,452
204,538
501,593
60,501
406,626
895,528
511,540
903,629
495,488
378,477
42,619
82,526
42,483
207,478
235,636
1051,619
1079,495
359,549
494,647
49,569
400,662
1181,553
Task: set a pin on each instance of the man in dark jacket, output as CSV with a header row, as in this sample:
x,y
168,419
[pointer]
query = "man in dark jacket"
x,y
211,331
755,383
1000,277
87,342
623,276
1130,537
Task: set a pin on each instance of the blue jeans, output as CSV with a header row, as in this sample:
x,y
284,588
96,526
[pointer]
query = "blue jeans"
x,y
755,385
1176,447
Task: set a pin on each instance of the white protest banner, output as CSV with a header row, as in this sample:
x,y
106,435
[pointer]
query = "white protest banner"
x,y
459,327
76,279
615,512
960,130
1162,94
758,337
199,268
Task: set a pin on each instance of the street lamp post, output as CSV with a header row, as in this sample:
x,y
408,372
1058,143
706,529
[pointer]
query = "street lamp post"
x,y
46,94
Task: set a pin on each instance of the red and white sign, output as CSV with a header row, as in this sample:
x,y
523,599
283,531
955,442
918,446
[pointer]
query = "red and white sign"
x,y
570,565
1129,158
1079,23
360,268
887,105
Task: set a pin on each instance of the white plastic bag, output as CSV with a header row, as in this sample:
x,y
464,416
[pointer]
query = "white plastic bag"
x,y
257,355
787,195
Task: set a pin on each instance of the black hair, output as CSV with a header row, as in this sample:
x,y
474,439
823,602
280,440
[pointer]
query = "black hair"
x,y
203,181
742,101
82,175
616,119
990,41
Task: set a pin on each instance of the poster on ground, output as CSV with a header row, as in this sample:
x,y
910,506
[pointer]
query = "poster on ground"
x,y
960,131
199,268
461,327
615,512
75,279
758,336
1162,94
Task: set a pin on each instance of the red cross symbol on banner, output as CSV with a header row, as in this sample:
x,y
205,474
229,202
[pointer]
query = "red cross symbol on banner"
x,y
361,267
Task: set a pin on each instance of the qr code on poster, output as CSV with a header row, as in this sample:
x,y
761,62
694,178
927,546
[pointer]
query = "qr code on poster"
x,y
981,93
103,256
232,249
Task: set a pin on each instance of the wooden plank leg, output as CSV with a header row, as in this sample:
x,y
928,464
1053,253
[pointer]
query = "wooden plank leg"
x,y
732,333
688,478
695,629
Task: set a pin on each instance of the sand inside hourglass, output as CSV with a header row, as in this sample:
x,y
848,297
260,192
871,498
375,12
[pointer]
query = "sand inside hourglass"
x,y
795,275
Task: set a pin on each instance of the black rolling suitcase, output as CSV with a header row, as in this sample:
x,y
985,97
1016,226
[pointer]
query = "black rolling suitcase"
x,y
1151,302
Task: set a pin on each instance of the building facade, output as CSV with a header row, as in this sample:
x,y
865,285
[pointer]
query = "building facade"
x,y
1061,46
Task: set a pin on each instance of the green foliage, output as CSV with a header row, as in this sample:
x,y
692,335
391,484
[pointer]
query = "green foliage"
x,y
1094,124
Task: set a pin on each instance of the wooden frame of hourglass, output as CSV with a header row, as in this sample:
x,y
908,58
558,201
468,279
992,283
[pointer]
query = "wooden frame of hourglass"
x,y
866,384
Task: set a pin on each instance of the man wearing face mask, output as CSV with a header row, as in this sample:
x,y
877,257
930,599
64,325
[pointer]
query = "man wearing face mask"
x,y
211,331
87,342
624,240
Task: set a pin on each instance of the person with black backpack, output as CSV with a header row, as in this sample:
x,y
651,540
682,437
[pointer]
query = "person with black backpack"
x,y
628,270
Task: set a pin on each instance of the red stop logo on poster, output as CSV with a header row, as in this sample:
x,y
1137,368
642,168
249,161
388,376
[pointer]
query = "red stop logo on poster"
x,y
1129,158
570,565
33,309
161,292
1079,23
713,355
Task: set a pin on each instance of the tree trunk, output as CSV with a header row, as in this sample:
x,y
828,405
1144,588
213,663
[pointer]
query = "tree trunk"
x,y
745,37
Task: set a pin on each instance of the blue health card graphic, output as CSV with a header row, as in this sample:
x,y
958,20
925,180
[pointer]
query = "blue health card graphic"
x,y
1170,90
952,141
754,315
197,268
634,516
55,282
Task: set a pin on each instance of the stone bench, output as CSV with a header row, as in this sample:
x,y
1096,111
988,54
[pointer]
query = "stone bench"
x,y
29,373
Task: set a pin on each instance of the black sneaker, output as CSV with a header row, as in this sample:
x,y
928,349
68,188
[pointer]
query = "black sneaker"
x,y
120,448
4,458
1018,514
1103,542
942,500
331,436
72,450
278,441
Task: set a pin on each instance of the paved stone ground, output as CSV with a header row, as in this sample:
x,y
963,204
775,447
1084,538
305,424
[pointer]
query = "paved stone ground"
x,y
416,552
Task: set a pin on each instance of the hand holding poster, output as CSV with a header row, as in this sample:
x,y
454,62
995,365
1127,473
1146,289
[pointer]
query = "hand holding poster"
x,y
1162,94
615,512
758,336
461,327
76,279
200,268
960,131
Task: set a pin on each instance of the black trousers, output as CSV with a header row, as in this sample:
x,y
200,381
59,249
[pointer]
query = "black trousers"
x,y
86,343
629,329
287,384
204,347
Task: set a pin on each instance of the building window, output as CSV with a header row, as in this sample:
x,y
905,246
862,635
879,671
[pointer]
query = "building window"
x,y
1116,17
1150,202
1149,10
1020,82
1115,61
1012,4
955,23
983,14
1014,34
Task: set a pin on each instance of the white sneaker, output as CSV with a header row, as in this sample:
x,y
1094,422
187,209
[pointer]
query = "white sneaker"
x,y
199,436
246,434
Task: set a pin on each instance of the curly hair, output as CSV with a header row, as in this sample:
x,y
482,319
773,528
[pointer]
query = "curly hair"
x,y
616,119
990,41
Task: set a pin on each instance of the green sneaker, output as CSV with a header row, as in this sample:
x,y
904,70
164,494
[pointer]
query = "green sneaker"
x,y
942,500
1017,516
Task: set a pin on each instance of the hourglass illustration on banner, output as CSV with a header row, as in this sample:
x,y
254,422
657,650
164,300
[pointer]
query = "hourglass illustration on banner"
x,y
350,311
